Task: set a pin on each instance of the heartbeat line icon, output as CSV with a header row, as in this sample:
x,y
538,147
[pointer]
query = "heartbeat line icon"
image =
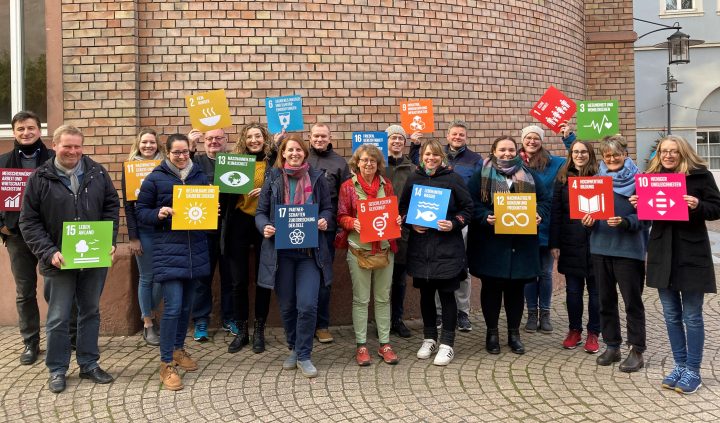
x,y
599,126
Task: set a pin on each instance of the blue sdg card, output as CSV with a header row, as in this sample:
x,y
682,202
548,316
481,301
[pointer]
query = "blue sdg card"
x,y
427,206
378,139
284,113
296,226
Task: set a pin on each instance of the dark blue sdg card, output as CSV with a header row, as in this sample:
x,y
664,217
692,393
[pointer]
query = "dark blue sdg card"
x,y
378,139
296,226
427,206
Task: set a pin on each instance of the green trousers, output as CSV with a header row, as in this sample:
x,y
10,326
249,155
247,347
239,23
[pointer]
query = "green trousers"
x,y
380,281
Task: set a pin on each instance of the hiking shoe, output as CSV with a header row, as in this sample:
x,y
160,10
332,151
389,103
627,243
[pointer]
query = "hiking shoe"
x,y
545,325
201,333
591,343
290,363
463,322
231,326
362,356
183,360
444,356
388,355
673,378
532,321
307,368
427,349
169,377
398,327
689,382
572,340
324,336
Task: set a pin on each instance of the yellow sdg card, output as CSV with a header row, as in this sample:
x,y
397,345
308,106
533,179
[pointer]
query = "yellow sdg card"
x,y
515,213
208,110
135,173
195,206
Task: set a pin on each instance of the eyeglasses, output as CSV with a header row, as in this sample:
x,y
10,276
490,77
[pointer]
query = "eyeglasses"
x,y
208,139
611,156
671,153
580,152
370,161
180,153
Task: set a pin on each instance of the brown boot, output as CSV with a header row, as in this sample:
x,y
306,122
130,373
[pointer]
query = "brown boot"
x,y
183,360
169,377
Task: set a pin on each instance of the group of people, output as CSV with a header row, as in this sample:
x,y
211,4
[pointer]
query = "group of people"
x,y
176,266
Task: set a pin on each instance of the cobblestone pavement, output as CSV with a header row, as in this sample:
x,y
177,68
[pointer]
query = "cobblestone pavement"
x,y
546,384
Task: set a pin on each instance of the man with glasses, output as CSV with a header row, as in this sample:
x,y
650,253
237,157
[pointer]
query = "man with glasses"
x,y
215,141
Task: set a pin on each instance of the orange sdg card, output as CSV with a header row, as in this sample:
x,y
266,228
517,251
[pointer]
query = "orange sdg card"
x,y
417,115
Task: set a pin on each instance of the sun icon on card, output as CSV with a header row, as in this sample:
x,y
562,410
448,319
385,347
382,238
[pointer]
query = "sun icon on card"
x,y
195,213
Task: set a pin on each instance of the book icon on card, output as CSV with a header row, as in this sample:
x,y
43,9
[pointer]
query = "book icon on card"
x,y
591,205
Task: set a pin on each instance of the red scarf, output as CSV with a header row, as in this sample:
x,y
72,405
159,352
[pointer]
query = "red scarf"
x,y
370,190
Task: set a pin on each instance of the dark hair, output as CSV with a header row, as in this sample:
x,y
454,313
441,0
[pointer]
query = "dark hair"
x,y
280,162
24,115
175,137
501,138
590,169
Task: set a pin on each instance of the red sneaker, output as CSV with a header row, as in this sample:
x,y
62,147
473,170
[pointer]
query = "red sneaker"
x,y
387,354
591,343
362,356
572,340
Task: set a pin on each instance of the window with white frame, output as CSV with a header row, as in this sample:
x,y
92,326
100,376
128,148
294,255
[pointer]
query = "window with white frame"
x,y
23,75
670,8
708,147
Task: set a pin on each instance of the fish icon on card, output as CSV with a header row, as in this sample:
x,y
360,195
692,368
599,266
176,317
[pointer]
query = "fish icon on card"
x,y
426,215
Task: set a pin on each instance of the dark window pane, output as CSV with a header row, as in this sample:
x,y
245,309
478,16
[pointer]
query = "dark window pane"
x,y
687,4
714,137
5,99
702,137
671,4
35,75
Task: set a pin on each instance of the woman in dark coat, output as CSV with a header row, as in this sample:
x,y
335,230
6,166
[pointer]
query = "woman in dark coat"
x,y
680,261
504,263
180,257
436,257
570,245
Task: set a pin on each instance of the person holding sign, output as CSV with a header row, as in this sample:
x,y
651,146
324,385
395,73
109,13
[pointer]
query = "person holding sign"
x,y
570,246
70,187
28,152
504,262
436,257
295,274
680,262
538,294
180,257
370,263
618,248
240,234
145,147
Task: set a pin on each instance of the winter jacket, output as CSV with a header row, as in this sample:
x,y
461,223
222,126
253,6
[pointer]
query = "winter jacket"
x,y
464,163
271,196
179,254
336,171
628,240
547,179
503,256
48,202
569,235
679,255
398,171
435,254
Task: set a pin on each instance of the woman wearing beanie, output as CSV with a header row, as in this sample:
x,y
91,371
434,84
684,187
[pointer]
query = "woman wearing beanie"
x,y
436,257
618,248
240,233
504,263
399,168
538,293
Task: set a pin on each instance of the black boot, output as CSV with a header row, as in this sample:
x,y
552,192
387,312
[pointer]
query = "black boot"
x,y
492,341
633,362
241,339
609,356
514,342
30,353
259,336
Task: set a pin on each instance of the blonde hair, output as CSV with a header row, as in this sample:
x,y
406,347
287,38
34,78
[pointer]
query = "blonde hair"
x,y
373,152
615,144
688,158
435,147
66,130
135,149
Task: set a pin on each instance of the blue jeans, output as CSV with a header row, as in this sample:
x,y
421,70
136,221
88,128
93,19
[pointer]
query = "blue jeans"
x,y
323,306
202,304
574,288
296,285
149,293
539,293
684,307
178,297
62,288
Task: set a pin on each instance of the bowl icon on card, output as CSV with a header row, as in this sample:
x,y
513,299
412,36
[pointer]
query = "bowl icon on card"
x,y
210,118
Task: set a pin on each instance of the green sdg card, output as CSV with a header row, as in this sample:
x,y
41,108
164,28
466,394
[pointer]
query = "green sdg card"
x,y
235,173
597,119
86,244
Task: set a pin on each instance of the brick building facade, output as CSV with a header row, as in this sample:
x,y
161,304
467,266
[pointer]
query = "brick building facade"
x,y
115,66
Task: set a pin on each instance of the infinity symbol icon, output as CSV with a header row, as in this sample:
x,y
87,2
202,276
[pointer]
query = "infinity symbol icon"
x,y
515,219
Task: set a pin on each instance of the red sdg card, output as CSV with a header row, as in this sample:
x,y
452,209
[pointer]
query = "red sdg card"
x,y
12,186
591,195
378,219
553,109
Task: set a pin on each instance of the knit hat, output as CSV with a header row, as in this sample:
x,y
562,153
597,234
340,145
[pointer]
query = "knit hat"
x,y
532,128
396,130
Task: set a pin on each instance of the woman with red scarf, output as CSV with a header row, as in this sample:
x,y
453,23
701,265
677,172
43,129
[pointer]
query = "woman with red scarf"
x,y
295,274
370,263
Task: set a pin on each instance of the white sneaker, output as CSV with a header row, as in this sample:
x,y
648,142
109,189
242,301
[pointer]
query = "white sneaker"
x,y
444,356
427,349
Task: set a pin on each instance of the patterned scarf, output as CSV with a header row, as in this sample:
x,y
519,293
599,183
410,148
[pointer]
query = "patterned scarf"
x,y
623,179
303,189
493,177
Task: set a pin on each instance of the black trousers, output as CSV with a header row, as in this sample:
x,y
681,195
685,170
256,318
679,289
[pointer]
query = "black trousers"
x,y
496,291
629,275
429,314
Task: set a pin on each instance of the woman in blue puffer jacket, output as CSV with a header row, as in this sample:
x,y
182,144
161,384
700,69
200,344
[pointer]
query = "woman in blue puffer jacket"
x,y
180,257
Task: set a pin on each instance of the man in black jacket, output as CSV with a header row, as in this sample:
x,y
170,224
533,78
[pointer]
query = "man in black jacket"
x,y
69,187
28,152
